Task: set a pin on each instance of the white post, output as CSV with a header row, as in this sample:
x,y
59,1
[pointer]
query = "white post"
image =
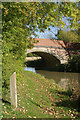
x,y
13,89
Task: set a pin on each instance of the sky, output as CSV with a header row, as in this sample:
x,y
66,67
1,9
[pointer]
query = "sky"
x,y
53,29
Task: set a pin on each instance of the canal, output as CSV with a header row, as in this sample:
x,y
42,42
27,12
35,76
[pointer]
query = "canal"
x,y
66,80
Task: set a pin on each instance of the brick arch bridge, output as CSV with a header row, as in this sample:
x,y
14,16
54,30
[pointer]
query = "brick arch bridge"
x,y
54,51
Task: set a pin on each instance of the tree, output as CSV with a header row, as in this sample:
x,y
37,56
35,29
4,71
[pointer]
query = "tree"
x,y
20,21
68,36
74,34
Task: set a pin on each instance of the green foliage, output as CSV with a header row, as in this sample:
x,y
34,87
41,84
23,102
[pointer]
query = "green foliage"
x,y
13,43
32,55
74,64
68,36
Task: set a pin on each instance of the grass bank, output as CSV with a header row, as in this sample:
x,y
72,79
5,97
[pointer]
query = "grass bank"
x,y
40,98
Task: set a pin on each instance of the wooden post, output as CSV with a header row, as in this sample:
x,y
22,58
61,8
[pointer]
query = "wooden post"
x,y
13,89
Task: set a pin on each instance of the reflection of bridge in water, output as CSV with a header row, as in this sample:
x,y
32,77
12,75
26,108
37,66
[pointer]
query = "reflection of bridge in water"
x,y
54,52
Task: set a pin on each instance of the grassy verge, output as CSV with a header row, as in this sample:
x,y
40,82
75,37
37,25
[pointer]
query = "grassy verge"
x,y
40,98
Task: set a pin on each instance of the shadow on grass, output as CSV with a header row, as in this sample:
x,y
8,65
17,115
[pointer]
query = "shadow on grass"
x,y
5,101
65,93
68,103
72,104
34,102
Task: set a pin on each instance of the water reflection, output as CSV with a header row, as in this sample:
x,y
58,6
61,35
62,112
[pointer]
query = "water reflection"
x,y
64,83
66,80
30,69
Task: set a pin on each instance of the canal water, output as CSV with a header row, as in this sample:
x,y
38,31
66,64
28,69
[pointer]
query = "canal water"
x,y
66,80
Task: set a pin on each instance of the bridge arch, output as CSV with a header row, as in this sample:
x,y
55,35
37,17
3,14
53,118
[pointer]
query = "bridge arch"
x,y
43,50
51,58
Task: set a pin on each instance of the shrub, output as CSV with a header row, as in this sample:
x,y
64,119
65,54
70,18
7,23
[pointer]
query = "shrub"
x,y
74,64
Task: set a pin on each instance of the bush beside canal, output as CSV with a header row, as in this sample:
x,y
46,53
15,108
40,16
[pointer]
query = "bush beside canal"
x,y
72,66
